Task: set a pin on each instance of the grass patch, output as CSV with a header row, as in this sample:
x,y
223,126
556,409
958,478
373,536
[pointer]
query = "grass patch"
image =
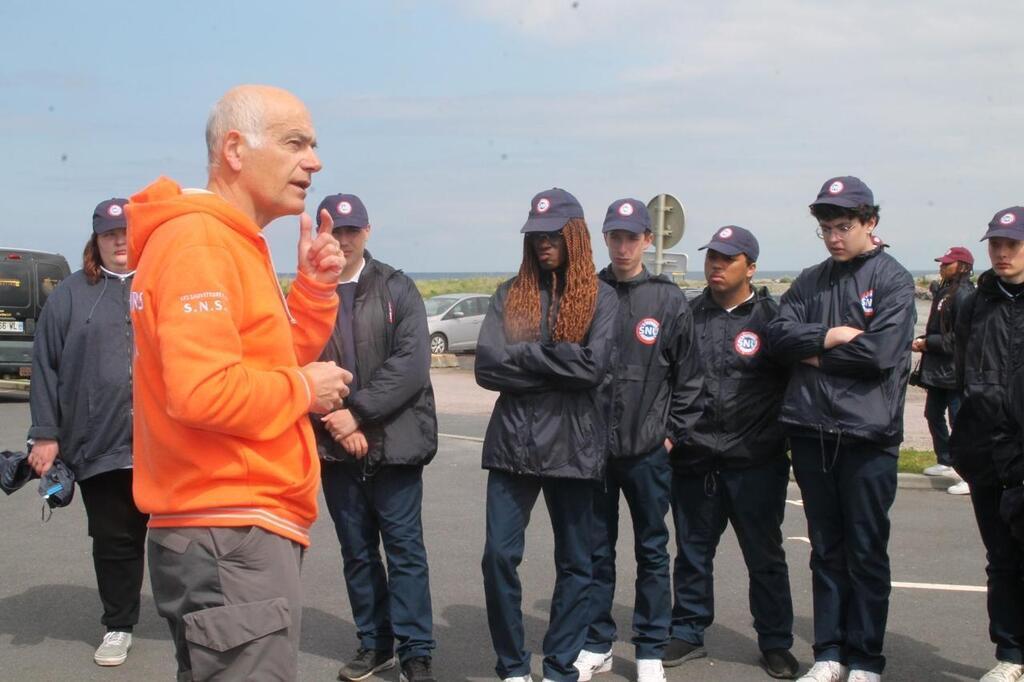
x,y
476,285
436,287
915,461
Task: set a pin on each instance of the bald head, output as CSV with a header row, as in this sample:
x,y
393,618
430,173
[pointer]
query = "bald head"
x,y
244,109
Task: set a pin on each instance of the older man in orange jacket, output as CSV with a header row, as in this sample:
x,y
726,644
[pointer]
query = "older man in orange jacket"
x,y
225,461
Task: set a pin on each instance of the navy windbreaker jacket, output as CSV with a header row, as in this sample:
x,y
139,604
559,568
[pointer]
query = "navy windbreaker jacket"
x,y
989,346
859,388
937,365
657,367
743,386
551,416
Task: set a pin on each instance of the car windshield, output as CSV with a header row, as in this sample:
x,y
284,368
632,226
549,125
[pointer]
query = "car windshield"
x,y
439,304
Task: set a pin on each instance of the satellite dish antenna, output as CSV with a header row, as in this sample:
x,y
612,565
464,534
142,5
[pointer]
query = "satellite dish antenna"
x,y
669,221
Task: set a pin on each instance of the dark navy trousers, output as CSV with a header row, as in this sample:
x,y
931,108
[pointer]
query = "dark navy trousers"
x,y
1005,569
393,605
754,501
645,482
937,403
847,493
570,503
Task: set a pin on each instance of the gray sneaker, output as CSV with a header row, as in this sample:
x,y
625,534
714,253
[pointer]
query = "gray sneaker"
x,y
114,649
939,470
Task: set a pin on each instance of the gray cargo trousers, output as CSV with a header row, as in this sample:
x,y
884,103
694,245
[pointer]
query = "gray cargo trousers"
x,y
232,598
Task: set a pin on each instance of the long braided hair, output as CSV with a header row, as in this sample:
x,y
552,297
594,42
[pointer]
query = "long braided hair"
x,y
579,299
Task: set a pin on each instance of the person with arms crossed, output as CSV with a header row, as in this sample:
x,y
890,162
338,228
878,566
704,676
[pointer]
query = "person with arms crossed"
x,y
226,462
846,325
545,345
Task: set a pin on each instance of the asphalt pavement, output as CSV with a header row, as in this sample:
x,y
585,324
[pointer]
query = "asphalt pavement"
x,y
49,610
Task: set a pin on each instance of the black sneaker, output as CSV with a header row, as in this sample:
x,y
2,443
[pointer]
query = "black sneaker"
x,y
679,651
365,663
417,670
779,663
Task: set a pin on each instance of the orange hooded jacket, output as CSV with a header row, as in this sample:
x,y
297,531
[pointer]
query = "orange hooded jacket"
x,y
221,427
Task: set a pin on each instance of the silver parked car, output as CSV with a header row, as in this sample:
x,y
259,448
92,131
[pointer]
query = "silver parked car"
x,y
454,321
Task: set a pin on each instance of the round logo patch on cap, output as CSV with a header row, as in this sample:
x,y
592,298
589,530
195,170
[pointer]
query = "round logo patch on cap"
x,y
836,187
747,343
867,302
1007,219
344,208
543,205
725,233
626,209
114,210
647,331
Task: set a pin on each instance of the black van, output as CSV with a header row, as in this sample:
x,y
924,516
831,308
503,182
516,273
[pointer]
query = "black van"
x,y
26,279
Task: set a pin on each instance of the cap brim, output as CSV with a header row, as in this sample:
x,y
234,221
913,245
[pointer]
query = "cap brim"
x,y
1014,233
544,224
841,202
342,222
723,247
108,226
629,226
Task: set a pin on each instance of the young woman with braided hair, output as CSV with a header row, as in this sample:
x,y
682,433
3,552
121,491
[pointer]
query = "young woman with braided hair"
x,y
546,345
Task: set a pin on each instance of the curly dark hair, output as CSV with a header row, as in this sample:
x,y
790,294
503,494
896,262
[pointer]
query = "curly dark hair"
x,y
826,212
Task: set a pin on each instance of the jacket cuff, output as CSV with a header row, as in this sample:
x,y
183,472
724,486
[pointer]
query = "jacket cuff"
x,y
43,432
357,408
312,288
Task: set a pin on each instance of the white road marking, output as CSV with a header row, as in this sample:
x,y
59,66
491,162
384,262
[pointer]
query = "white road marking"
x,y
795,503
941,586
800,539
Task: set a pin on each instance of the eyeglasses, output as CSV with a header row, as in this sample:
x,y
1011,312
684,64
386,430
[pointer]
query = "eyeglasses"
x,y
824,231
555,237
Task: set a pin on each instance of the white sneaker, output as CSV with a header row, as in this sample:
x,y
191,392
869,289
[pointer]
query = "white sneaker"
x,y
521,678
863,676
649,670
114,649
825,671
939,470
589,663
1004,672
961,488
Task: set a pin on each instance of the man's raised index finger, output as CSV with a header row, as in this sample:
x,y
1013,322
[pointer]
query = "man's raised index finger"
x,y
326,222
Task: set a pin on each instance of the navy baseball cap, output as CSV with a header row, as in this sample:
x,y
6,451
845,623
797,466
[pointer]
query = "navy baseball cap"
x,y
845,191
627,214
1008,223
347,210
732,240
550,210
109,215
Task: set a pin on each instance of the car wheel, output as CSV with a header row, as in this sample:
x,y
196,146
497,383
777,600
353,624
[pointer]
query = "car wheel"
x,y
438,344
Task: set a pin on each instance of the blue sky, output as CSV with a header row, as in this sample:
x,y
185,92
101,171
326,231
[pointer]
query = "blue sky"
x,y
446,117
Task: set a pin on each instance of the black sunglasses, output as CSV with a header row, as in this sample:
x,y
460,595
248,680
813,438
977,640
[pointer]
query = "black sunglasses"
x,y
551,237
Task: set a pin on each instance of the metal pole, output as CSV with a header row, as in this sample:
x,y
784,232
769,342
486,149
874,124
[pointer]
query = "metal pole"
x,y
659,236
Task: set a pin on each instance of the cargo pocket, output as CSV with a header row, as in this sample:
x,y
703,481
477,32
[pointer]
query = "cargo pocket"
x,y
246,641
